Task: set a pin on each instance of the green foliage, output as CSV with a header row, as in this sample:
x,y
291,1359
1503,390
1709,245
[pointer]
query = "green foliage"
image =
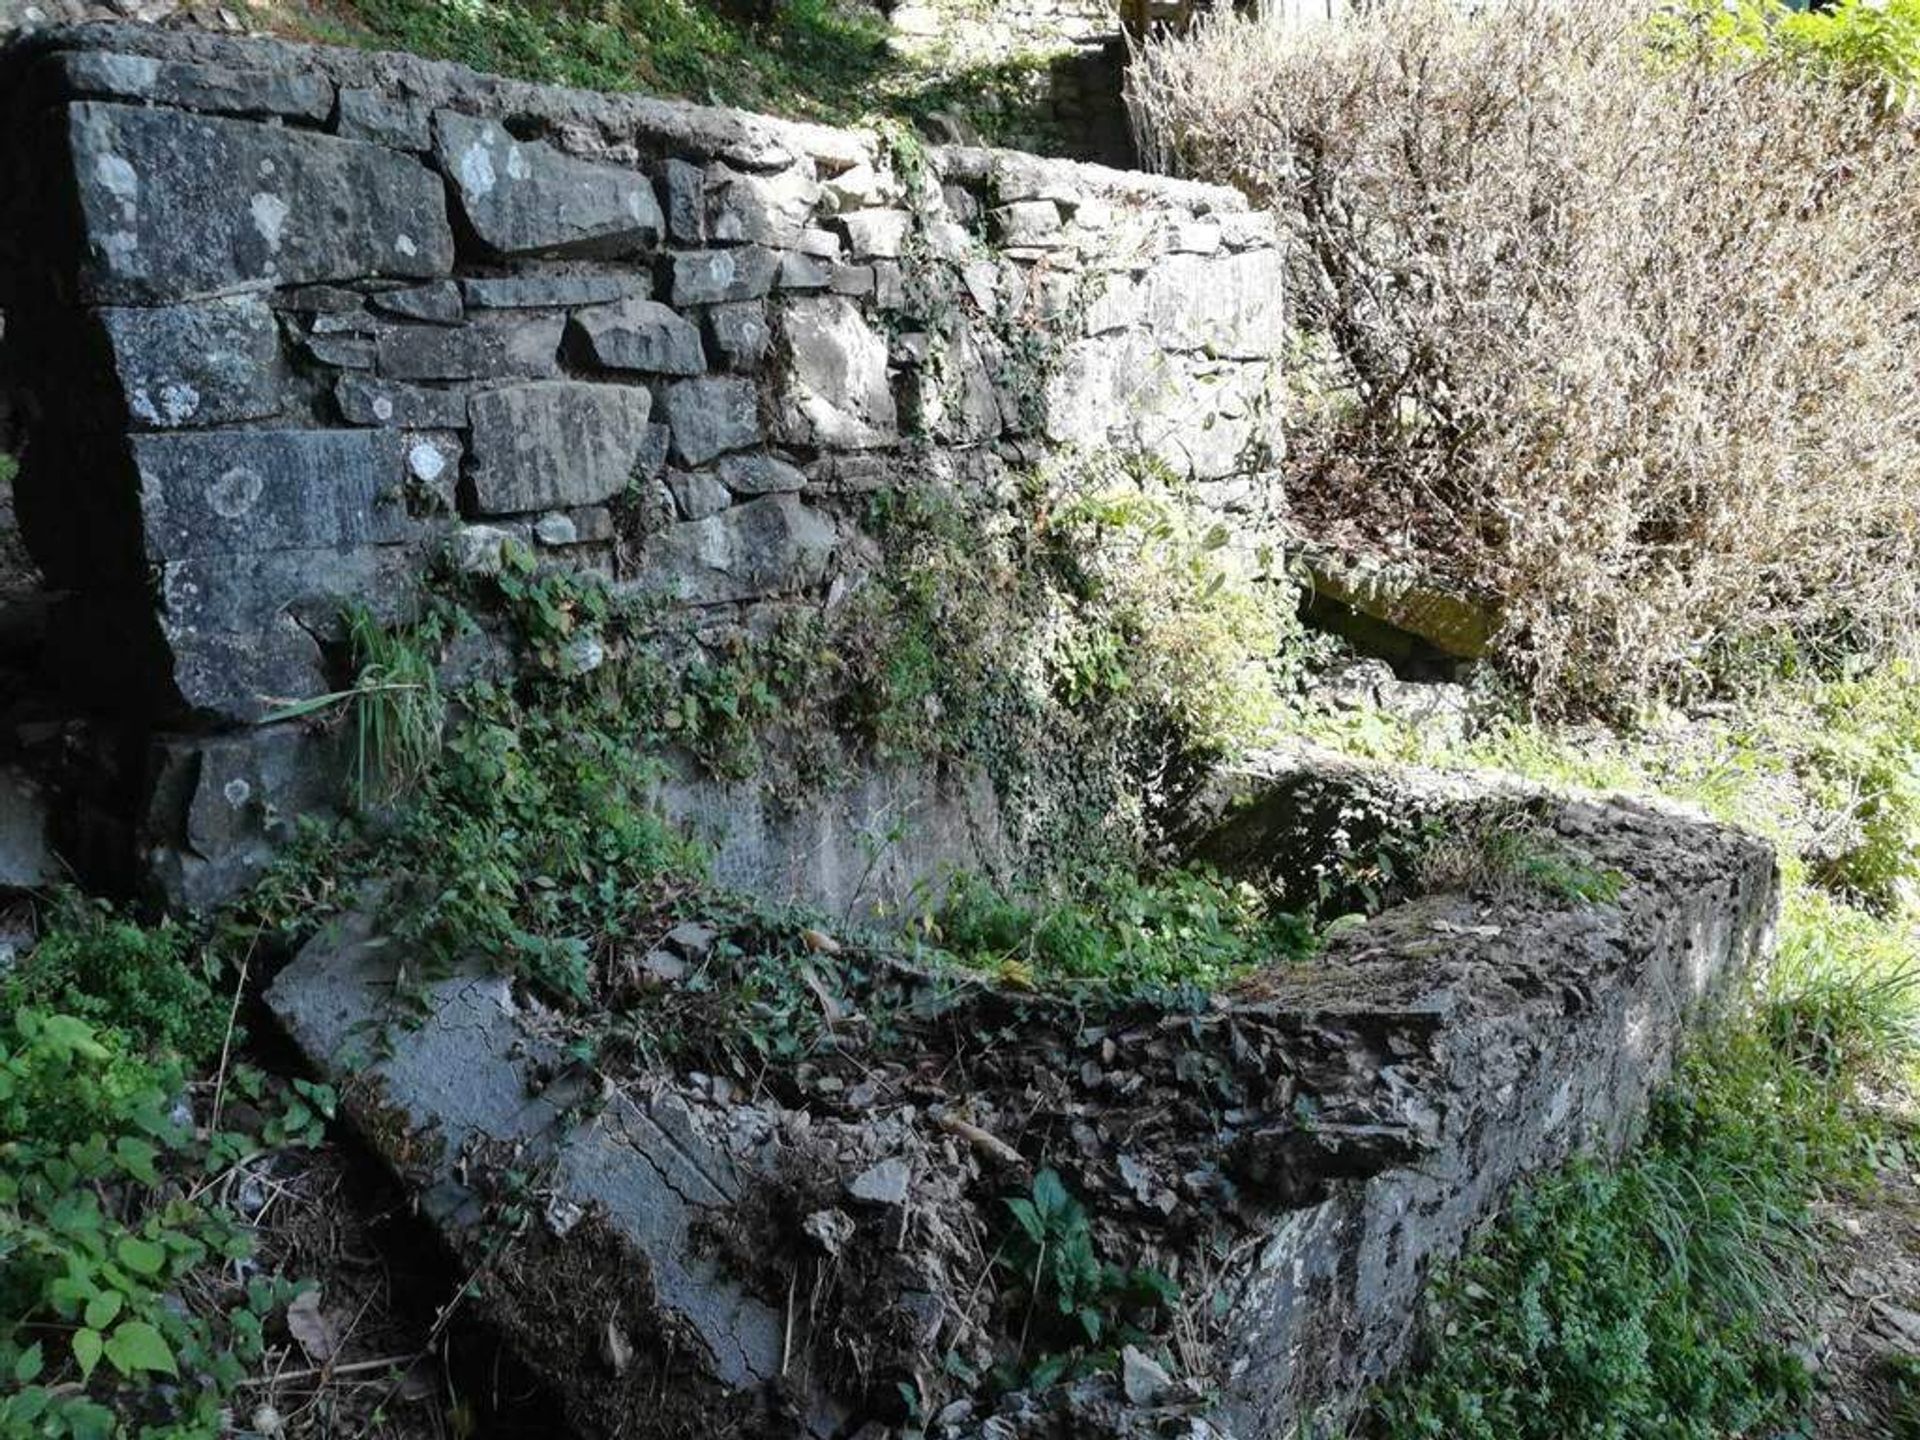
x,y
1875,43
1649,1297
1185,927
535,844
144,981
1074,1302
96,1246
1863,762
808,57
1539,863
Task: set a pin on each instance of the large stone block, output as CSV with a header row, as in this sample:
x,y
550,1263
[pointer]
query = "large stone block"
x,y
711,277
836,390
526,198
1232,306
771,546
763,209
246,633
709,417
206,364
219,807
366,401
641,335
234,492
101,74
175,206
555,442
496,348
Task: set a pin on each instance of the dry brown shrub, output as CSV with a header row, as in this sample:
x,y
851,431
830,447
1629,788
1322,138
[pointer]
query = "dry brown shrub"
x,y
1624,342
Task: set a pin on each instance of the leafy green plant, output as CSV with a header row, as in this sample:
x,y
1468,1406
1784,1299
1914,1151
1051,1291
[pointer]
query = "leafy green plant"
x,y
145,981
95,1248
1180,927
1074,1301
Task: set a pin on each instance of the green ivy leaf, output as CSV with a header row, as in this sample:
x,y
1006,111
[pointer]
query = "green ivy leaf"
x,y
102,1308
136,1157
87,1346
143,1257
27,1367
136,1345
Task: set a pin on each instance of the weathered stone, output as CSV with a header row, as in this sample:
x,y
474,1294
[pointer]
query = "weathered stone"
x,y
859,187
883,1184
759,474
1194,238
641,335
740,334
852,280
219,807
761,209
1117,303
196,364
1027,222
227,492
686,189
711,416
244,629
697,494
654,447
822,244
872,233
836,390
770,546
103,75
709,277
526,198
438,303
26,857
342,352
433,473
496,348
530,292
366,401
478,549
1227,305
403,123
556,528
804,272
175,206
555,442
1143,1379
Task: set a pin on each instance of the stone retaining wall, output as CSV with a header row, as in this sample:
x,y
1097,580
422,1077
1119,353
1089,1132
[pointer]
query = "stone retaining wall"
x,y
294,324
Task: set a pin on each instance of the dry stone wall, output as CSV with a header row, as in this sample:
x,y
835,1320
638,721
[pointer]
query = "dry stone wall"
x,y
291,326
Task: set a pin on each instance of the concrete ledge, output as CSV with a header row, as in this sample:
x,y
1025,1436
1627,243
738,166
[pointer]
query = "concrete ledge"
x,y
1304,1147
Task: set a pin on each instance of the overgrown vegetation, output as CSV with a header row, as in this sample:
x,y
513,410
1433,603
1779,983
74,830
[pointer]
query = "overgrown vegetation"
x,y
126,1302
1608,332
826,60
1667,1294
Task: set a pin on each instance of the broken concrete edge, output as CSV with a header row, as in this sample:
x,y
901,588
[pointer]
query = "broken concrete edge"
x,y
1450,1048
1459,624
661,126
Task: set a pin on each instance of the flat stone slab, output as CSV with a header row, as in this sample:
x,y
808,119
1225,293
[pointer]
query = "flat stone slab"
x,y
555,442
526,198
176,206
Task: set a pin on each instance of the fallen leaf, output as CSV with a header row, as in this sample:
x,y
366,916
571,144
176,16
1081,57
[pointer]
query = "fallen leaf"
x,y
615,1348
310,1327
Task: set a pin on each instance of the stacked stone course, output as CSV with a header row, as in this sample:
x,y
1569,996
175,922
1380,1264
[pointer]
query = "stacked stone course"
x,y
292,323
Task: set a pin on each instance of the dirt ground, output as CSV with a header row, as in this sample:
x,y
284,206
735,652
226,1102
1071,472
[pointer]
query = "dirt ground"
x,y
1867,1352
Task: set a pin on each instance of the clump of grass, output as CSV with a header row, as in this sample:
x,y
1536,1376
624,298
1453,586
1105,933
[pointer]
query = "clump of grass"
x,y
1183,927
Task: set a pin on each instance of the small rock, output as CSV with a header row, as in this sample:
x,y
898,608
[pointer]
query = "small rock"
x,y
663,967
829,1229
1142,1377
479,549
692,939
556,529
884,1184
